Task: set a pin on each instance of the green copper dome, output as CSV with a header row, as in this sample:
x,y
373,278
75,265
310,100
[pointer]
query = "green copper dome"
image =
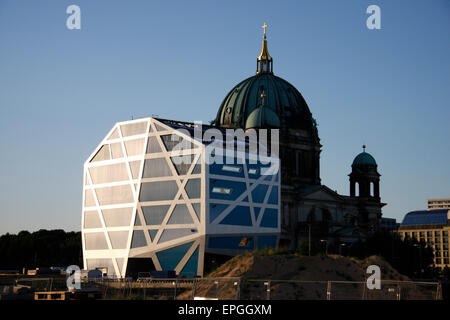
x,y
364,159
280,102
265,101
262,115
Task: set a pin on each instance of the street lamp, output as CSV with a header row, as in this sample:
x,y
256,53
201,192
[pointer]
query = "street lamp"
x,y
420,256
326,245
174,283
341,245
217,288
267,284
236,284
309,239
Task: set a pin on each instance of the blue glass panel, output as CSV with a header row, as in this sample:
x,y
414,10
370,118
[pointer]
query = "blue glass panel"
x,y
153,145
156,168
152,233
244,243
182,163
270,218
170,258
171,234
198,167
154,214
257,212
190,269
137,222
138,239
239,216
180,215
215,209
237,188
161,190
193,188
174,141
259,193
273,198
267,241
245,199
197,209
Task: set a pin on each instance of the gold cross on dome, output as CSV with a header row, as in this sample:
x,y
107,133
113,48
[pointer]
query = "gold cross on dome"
x,y
263,95
264,27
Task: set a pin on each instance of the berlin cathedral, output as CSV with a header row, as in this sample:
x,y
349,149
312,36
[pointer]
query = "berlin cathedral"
x,y
308,208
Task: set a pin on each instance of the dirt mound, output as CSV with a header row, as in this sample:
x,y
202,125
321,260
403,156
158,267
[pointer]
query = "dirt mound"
x,y
296,277
294,267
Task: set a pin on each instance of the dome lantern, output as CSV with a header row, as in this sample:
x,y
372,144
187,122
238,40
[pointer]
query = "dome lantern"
x,y
264,63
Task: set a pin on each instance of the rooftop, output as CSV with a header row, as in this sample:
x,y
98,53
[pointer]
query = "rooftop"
x,y
426,217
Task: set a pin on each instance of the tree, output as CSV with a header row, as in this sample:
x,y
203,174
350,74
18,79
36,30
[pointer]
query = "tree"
x,y
409,257
303,248
43,248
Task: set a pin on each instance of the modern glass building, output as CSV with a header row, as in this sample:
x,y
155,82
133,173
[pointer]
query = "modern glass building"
x,y
152,200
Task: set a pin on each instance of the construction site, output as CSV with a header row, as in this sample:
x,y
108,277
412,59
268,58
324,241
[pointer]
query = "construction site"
x,y
250,276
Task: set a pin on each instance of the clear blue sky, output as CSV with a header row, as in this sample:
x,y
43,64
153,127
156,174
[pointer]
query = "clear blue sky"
x,y
62,90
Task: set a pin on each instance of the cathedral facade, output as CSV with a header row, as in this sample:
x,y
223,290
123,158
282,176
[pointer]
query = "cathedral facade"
x,y
308,208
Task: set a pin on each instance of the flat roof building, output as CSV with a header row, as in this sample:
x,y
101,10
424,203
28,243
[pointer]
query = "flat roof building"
x,y
439,204
430,227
